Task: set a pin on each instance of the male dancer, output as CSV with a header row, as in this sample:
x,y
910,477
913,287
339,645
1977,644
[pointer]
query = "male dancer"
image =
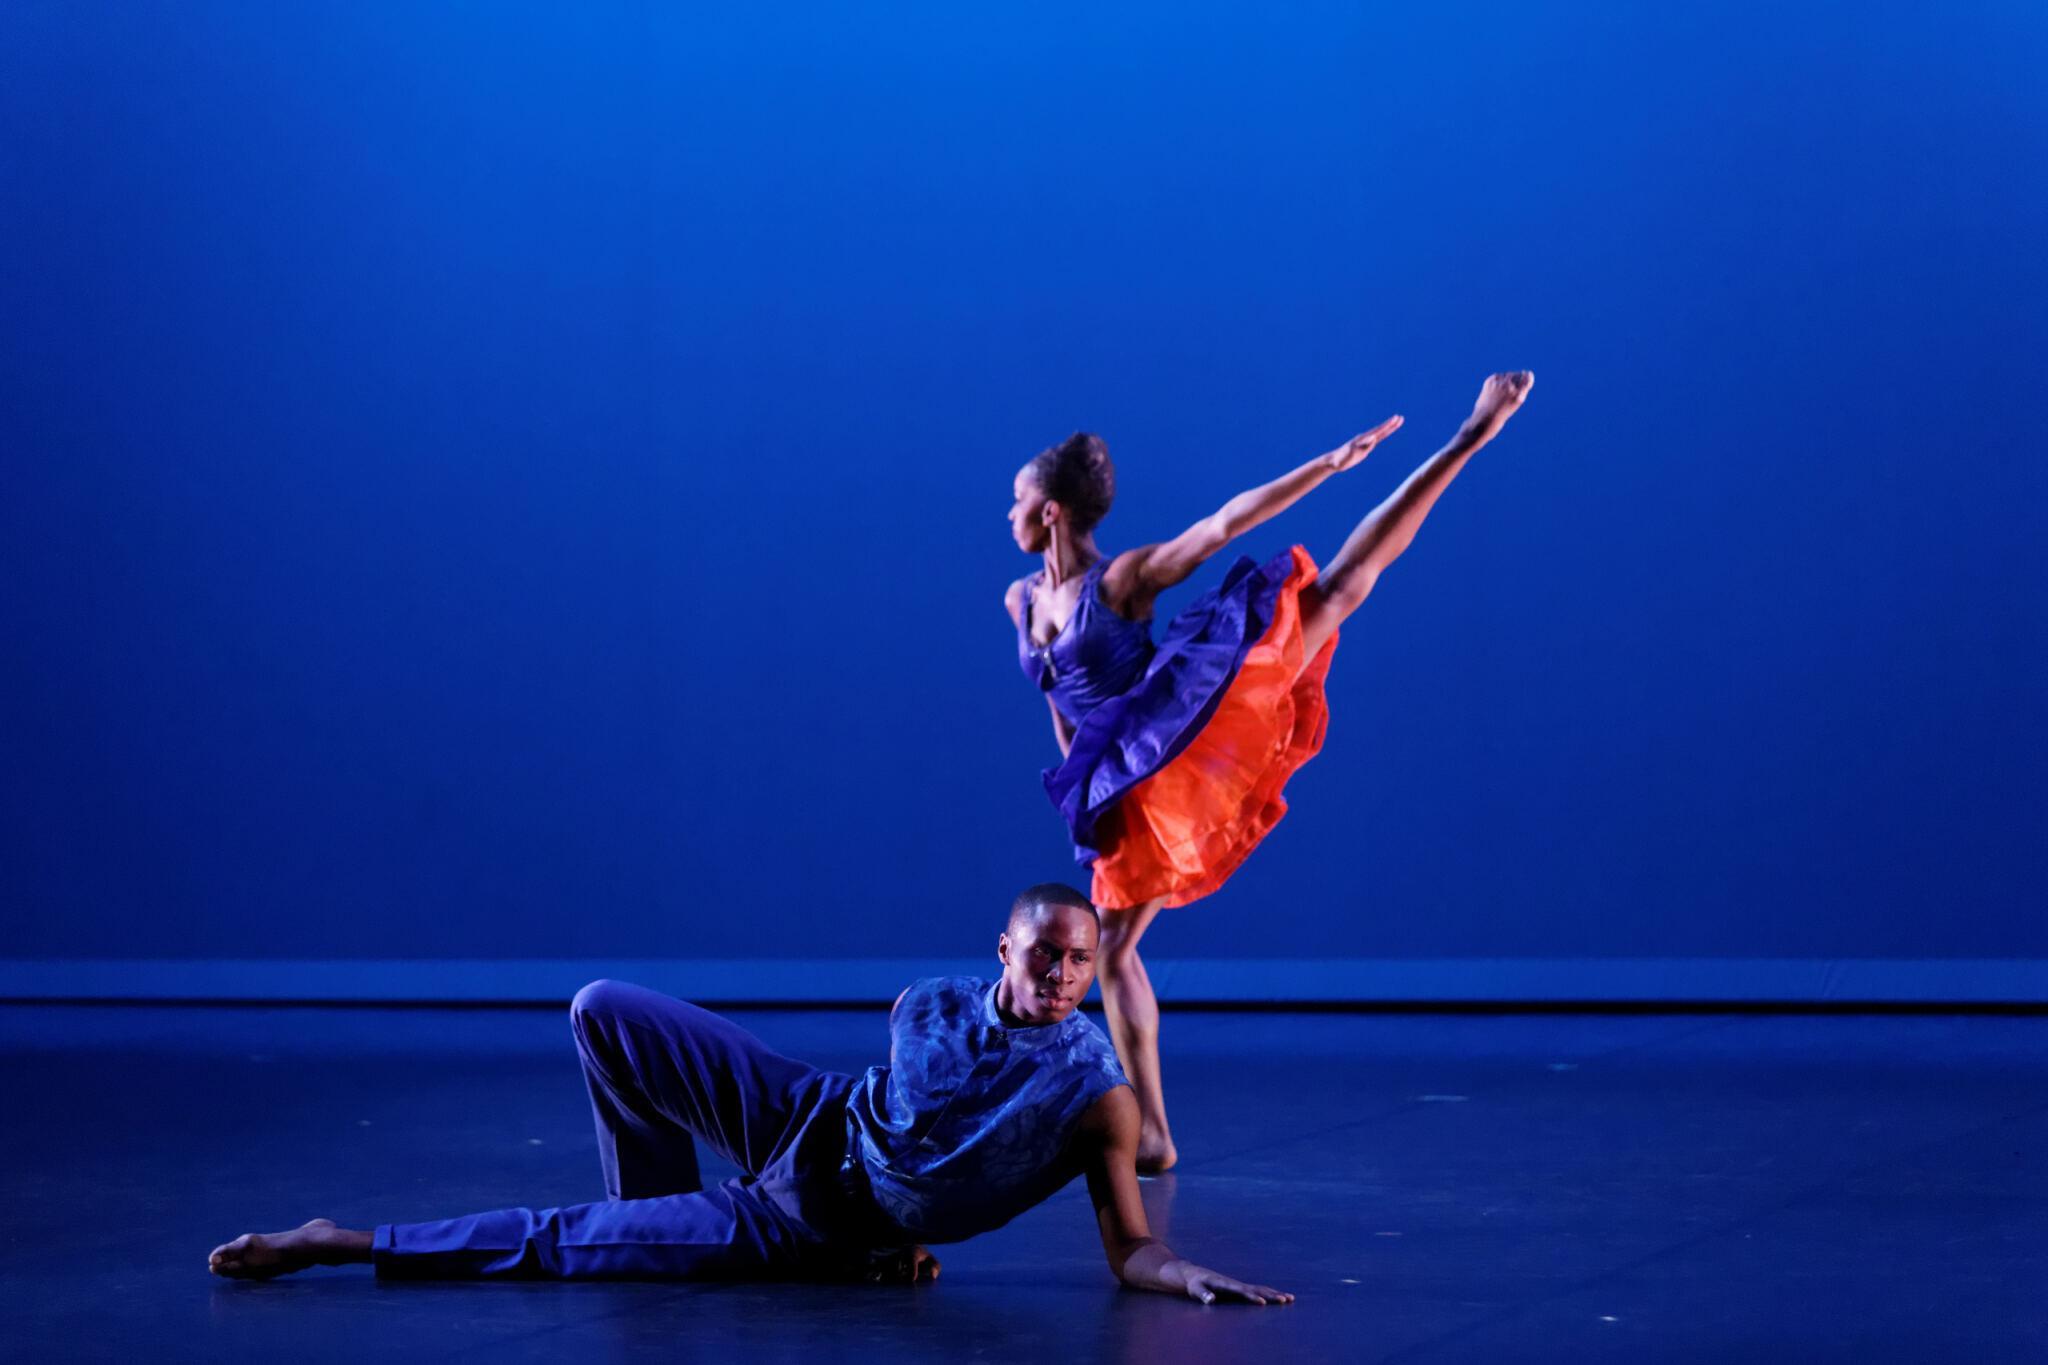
x,y
994,1098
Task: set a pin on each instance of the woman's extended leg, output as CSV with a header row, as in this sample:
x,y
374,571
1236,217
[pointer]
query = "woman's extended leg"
x,y
1134,1025
1387,530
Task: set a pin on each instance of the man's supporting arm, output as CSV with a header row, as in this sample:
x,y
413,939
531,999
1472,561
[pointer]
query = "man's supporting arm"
x,y
1109,1134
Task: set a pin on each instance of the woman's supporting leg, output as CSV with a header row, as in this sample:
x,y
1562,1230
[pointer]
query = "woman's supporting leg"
x,y
1127,994
1134,1025
1379,540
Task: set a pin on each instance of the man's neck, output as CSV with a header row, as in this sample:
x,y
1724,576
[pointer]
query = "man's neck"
x,y
1004,1000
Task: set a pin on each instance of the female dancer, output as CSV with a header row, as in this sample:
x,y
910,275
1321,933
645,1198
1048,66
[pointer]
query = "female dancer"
x,y
1175,754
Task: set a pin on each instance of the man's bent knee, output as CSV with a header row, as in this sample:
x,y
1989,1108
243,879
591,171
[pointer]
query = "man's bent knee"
x,y
600,1006
599,997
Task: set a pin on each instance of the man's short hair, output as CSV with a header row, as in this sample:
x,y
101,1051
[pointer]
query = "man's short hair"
x,y
1043,896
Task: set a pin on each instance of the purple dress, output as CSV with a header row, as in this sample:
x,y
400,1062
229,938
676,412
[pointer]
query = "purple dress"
x,y
1134,705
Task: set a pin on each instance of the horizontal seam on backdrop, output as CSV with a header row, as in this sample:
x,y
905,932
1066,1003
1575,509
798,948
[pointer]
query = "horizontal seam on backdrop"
x,y
1187,981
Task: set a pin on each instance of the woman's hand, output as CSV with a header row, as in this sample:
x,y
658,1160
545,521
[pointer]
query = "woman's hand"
x,y
1360,446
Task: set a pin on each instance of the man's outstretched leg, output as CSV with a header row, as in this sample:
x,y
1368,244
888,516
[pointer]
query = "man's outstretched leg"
x,y
662,1073
726,1232
264,1255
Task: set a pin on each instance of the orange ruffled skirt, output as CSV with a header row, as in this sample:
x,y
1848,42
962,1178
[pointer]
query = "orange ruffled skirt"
x,y
1182,831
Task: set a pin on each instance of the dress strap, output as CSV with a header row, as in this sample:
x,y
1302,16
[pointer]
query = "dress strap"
x,y
1086,600
1029,615
1089,599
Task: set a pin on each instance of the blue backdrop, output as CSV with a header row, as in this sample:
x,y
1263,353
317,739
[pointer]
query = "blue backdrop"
x,y
528,481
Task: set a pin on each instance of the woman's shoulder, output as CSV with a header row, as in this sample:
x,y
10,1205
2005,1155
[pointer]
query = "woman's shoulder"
x,y
1123,584
1015,596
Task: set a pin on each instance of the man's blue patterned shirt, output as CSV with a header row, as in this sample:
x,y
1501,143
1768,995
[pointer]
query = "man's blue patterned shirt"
x,y
969,1123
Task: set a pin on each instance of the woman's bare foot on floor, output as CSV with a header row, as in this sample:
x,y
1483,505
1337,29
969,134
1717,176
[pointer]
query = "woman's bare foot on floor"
x,y
1156,1152
264,1255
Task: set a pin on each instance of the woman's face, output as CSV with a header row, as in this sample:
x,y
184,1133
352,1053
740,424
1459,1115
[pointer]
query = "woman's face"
x,y
1027,513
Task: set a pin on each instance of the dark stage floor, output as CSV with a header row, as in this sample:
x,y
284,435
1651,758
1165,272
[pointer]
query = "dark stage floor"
x,y
1435,1188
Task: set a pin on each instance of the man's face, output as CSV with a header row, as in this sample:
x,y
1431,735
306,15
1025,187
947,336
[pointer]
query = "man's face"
x,y
1049,962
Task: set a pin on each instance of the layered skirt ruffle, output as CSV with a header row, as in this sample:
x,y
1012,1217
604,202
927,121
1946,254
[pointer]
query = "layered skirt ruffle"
x,y
1167,788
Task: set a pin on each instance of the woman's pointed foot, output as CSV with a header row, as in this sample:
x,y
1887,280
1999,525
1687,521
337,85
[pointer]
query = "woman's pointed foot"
x,y
1500,397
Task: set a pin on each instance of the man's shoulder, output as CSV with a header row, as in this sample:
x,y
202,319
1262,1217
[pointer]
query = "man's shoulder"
x,y
943,992
1089,1046
948,985
1109,1108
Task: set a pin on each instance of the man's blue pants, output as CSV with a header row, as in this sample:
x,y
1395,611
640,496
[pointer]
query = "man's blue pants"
x,y
663,1075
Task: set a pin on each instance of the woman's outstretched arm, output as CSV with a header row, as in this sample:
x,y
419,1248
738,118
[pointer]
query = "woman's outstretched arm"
x,y
1137,576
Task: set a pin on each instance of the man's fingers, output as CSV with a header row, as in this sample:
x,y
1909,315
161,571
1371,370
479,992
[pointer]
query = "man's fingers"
x,y
1207,1287
896,1268
903,1267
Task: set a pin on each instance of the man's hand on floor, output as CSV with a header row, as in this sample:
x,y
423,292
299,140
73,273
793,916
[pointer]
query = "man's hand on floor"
x,y
907,1265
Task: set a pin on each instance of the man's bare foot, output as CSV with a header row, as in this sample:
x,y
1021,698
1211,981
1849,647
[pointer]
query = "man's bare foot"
x,y
263,1255
1156,1153
1499,397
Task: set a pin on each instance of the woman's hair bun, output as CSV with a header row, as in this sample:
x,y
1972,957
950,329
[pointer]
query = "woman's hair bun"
x,y
1077,474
